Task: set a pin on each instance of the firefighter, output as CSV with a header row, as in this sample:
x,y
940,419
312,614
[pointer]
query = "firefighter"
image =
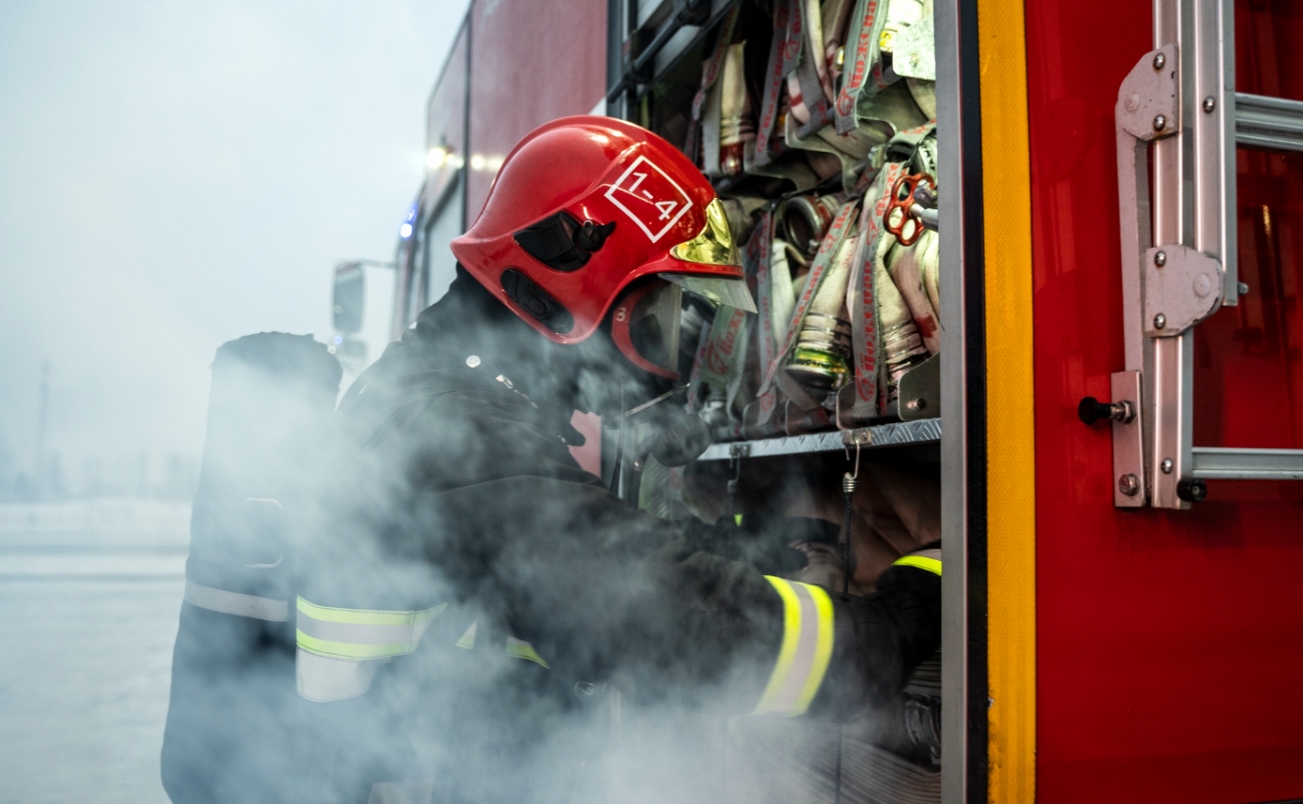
x,y
468,584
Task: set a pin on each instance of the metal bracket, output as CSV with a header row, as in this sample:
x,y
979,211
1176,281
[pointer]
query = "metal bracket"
x,y
1128,445
1148,109
862,437
739,450
920,390
1149,101
1182,288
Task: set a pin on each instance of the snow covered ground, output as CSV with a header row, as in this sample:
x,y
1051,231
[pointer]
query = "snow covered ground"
x,y
89,597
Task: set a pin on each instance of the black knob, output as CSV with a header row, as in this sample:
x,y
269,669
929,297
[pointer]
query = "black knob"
x,y
1192,490
1091,410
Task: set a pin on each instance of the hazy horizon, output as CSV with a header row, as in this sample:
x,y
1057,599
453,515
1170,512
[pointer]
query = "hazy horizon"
x,y
175,176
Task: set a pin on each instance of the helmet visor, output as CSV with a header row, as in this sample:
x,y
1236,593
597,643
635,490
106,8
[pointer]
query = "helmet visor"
x,y
645,328
713,246
718,289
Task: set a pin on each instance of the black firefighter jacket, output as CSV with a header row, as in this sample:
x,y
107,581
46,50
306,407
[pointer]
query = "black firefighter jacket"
x,y
454,498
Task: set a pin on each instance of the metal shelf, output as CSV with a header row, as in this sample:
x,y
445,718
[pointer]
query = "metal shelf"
x,y
895,434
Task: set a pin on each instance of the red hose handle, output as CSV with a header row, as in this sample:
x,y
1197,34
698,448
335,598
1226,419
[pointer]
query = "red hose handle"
x,y
898,215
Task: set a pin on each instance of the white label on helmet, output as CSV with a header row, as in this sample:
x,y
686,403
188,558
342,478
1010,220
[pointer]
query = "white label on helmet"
x,y
649,197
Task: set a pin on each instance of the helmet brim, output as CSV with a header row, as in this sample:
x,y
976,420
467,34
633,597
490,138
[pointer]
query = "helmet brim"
x,y
718,289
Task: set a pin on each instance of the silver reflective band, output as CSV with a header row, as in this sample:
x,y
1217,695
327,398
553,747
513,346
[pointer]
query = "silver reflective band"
x,y
323,678
467,640
805,652
224,602
408,634
359,634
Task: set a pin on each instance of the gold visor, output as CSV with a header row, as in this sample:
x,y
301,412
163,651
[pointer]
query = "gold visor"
x,y
714,246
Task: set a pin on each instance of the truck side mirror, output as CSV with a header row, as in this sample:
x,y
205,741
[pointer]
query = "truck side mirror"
x,y
349,297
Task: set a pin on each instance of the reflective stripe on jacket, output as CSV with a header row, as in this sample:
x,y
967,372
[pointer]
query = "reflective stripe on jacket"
x,y
240,605
807,646
340,648
929,560
805,650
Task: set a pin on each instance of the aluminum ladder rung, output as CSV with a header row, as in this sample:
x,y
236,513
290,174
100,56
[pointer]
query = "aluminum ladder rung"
x,y
1248,464
1263,122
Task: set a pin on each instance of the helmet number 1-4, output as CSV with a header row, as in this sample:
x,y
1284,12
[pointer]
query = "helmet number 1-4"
x,y
649,197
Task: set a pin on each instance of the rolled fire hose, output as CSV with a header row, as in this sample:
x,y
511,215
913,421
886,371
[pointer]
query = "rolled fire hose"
x,y
905,264
803,221
901,344
821,357
736,126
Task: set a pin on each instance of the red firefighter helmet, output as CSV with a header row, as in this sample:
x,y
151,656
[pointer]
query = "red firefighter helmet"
x,y
583,208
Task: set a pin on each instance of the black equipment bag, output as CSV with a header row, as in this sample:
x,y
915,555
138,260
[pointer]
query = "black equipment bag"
x,y
231,723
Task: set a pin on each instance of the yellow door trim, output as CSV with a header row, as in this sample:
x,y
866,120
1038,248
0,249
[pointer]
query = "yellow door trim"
x,y
1011,453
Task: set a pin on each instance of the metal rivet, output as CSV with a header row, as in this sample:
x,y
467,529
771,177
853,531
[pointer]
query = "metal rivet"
x,y
1160,259
1167,466
1160,122
1242,288
1160,61
1209,103
1129,484
1203,285
473,361
1160,321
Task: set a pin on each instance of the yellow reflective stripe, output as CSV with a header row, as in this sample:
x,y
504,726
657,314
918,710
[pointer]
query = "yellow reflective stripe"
x,y
520,649
359,634
368,616
467,640
805,651
822,648
349,650
787,650
922,562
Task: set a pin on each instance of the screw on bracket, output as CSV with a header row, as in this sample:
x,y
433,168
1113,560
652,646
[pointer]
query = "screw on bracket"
x,y
1166,466
1129,484
1160,321
1209,103
1160,259
1160,122
1160,61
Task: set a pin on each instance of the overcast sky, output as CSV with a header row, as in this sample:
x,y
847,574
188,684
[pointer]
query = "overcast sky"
x,y
174,175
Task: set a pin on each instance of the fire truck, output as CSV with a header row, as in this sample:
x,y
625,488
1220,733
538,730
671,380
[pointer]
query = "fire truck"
x,y
1043,256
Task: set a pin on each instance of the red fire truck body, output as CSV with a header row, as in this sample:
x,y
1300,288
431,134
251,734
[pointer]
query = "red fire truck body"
x,y
1167,646
1098,646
